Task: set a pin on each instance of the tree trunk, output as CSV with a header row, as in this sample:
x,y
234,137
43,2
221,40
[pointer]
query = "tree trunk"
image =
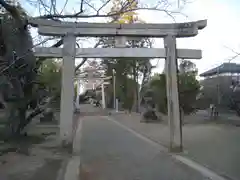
x,y
135,79
11,114
15,116
22,119
181,116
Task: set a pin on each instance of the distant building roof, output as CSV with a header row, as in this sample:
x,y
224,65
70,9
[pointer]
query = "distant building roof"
x,y
224,68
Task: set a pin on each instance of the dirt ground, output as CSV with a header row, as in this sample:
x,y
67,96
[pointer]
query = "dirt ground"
x,y
35,157
39,161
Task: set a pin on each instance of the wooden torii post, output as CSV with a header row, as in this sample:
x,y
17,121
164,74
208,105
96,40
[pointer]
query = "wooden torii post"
x,y
69,31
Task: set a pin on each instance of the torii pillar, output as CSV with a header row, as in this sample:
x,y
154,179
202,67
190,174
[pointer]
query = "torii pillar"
x,y
174,120
67,92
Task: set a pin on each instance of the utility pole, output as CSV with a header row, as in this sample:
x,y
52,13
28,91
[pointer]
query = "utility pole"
x,y
218,88
103,97
114,89
78,93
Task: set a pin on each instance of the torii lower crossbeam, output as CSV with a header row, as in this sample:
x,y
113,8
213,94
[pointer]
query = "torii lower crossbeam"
x,y
119,53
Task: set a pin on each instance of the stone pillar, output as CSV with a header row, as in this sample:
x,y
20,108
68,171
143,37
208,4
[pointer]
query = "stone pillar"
x,y
116,105
114,89
103,97
67,91
78,93
172,94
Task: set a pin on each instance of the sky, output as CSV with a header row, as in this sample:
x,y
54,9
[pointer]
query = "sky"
x,y
221,32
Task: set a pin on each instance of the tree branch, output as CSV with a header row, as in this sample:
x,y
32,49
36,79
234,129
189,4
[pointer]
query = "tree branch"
x,y
58,44
40,60
81,7
77,15
11,9
237,54
85,59
36,112
103,6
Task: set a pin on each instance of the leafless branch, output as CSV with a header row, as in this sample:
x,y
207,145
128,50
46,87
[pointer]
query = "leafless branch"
x,y
233,57
46,7
81,6
104,15
64,6
91,6
44,41
103,6
85,59
237,54
58,44
79,14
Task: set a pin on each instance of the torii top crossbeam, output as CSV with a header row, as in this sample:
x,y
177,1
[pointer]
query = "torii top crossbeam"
x,y
56,28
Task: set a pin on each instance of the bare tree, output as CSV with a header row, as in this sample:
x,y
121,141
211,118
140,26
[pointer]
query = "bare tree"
x,y
80,9
55,10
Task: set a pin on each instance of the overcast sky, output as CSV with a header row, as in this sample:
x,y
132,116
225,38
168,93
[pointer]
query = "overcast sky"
x,y
222,30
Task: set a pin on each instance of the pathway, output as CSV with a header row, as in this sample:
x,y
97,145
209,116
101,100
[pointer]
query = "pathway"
x,y
110,152
213,145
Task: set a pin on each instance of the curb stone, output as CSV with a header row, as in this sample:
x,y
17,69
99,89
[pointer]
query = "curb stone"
x,y
72,169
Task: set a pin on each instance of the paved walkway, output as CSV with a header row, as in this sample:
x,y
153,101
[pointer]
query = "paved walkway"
x,y
110,152
90,110
213,145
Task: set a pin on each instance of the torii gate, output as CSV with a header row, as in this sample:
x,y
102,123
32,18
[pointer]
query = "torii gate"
x,y
70,30
102,83
86,75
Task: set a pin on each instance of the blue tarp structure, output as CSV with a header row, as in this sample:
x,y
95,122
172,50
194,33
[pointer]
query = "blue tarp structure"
x,y
224,68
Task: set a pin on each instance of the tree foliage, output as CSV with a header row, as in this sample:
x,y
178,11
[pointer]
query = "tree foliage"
x,y
18,69
128,16
23,87
188,90
50,76
128,71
